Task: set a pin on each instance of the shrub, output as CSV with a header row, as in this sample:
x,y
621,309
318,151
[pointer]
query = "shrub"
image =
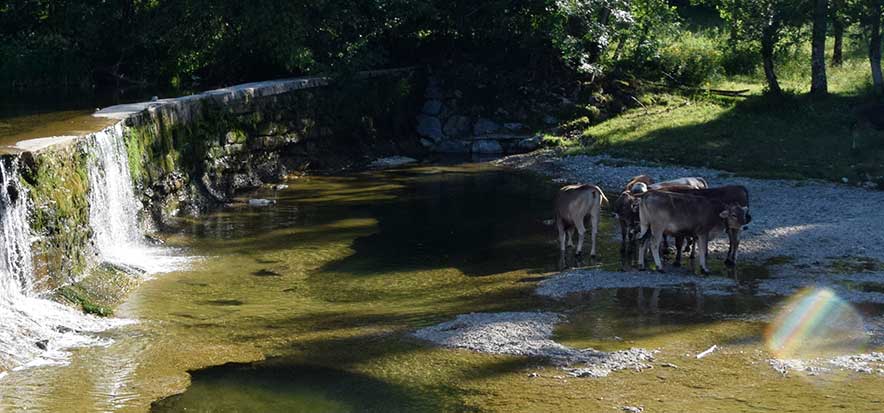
x,y
742,59
691,59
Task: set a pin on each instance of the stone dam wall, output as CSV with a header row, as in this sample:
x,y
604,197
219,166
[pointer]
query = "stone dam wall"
x,y
189,154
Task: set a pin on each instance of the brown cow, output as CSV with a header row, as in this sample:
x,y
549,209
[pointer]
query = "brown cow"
x,y
669,213
573,204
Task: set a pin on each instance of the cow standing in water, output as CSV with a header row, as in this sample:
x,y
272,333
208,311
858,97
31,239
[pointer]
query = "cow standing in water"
x,y
573,204
669,213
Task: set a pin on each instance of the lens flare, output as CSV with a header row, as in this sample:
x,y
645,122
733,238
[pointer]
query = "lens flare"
x,y
815,323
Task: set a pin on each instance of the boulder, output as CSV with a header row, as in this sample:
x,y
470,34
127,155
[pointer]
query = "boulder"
x,y
433,91
529,144
487,146
430,127
485,126
432,107
453,146
514,126
457,126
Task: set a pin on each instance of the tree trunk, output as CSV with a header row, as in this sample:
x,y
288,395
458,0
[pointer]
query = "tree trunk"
x,y
769,36
837,49
875,45
818,84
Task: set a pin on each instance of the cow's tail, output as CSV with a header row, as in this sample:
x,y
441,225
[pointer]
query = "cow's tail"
x,y
602,195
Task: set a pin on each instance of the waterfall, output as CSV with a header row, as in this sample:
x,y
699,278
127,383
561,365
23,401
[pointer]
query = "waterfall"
x,y
28,322
16,263
113,208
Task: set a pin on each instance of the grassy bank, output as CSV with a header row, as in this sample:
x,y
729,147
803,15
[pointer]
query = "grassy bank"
x,y
757,135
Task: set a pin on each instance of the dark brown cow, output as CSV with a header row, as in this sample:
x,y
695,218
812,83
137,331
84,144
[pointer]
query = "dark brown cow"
x,y
670,213
626,211
573,204
728,194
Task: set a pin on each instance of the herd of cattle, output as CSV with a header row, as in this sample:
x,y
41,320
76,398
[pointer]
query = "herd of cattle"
x,y
685,209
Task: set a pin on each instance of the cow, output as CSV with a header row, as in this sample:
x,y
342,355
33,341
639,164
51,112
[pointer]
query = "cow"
x,y
626,205
729,194
625,210
693,182
670,213
573,204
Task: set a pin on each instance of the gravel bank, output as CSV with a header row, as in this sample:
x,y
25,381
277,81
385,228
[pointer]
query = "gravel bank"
x,y
812,222
868,363
529,334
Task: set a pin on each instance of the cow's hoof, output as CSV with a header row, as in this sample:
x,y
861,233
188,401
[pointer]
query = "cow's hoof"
x,y
729,263
592,256
661,271
676,264
642,269
704,272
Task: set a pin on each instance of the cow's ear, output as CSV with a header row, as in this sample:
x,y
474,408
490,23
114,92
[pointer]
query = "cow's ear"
x,y
724,214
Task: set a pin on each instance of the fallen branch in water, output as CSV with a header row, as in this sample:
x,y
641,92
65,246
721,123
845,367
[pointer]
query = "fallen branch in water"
x,y
708,351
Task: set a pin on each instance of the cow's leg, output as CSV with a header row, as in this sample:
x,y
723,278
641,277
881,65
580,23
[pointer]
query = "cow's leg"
x,y
701,244
594,218
581,234
570,235
678,244
734,239
655,249
623,239
665,246
642,249
560,226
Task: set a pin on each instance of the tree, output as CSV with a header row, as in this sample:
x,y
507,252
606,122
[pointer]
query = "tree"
x,y
818,84
838,11
873,19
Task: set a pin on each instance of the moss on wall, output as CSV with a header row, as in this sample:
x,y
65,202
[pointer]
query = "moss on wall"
x,y
58,185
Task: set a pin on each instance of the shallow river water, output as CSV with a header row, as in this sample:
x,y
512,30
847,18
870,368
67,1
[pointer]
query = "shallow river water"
x,y
308,305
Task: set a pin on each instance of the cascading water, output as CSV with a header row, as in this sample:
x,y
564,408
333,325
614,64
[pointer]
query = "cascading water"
x,y
113,208
33,331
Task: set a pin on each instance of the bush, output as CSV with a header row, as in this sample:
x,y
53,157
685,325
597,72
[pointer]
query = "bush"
x,y
691,59
740,60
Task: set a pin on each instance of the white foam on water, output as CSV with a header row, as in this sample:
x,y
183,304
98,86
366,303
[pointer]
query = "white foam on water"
x,y
33,331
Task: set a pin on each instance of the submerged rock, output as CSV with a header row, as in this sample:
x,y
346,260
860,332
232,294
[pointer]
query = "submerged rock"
x,y
391,161
261,202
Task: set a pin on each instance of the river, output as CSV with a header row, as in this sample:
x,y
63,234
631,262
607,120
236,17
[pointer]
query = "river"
x,y
308,305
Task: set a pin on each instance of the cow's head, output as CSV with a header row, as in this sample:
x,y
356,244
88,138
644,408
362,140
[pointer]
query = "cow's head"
x,y
626,208
735,217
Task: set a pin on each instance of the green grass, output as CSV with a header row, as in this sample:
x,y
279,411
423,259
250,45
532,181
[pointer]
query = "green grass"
x,y
792,137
